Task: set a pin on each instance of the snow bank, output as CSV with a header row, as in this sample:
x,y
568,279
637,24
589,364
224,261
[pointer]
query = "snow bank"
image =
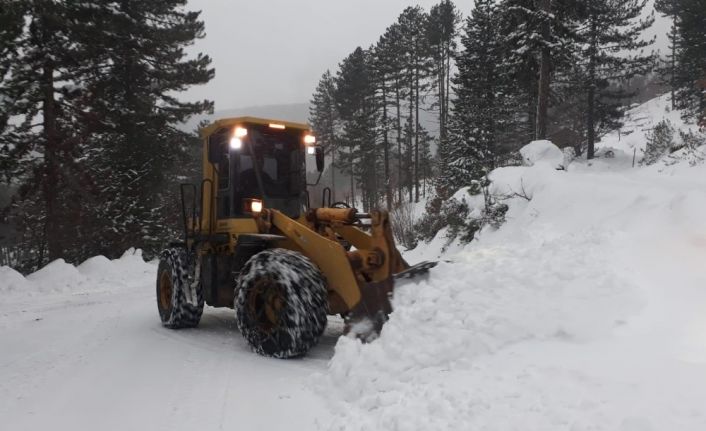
x,y
11,280
57,276
96,273
586,310
543,152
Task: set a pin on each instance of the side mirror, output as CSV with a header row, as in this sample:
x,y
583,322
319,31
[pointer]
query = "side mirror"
x,y
216,152
320,163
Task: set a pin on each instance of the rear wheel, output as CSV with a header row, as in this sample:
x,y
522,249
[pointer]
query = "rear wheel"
x,y
179,295
281,303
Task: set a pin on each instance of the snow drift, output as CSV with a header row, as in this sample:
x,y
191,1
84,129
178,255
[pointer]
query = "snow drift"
x,y
96,273
587,310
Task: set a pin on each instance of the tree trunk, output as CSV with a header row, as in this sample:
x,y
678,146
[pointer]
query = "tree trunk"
x,y
410,142
398,104
386,143
590,114
674,55
333,169
416,136
332,135
352,194
544,70
590,153
442,92
50,178
448,86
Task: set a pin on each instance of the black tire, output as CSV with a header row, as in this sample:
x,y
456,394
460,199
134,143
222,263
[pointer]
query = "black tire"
x,y
179,293
281,303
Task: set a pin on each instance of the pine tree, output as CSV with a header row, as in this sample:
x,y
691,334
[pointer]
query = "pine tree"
x,y
690,72
480,109
355,99
412,23
137,64
659,142
390,52
95,84
545,13
426,160
610,29
538,40
324,120
519,29
11,23
670,8
385,74
442,30
43,88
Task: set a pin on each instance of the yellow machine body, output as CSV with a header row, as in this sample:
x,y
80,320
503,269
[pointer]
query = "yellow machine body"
x,y
355,252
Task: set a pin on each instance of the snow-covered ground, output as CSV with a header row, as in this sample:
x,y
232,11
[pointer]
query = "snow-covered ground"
x,y
638,122
585,311
82,349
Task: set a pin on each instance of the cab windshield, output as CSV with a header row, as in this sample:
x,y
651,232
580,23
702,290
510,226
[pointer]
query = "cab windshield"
x,y
277,158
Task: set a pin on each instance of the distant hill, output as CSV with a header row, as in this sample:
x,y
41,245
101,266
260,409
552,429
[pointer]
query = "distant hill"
x,y
297,112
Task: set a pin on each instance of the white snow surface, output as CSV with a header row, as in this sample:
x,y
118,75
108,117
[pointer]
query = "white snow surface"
x,y
585,311
82,348
542,151
630,140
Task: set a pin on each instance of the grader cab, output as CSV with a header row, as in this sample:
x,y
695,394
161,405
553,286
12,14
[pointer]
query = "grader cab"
x,y
253,242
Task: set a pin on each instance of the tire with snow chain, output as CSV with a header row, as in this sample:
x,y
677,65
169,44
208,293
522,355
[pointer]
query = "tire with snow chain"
x,y
281,303
179,294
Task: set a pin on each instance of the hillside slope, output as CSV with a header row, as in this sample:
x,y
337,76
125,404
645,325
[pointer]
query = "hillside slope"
x,y
587,310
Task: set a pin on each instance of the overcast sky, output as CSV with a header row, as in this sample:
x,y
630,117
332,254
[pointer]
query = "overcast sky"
x,y
274,51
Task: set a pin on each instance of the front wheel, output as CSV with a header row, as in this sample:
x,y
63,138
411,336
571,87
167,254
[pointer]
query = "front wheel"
x,y
281,303
179,295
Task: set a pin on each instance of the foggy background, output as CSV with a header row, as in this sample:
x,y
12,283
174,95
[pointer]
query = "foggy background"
x,y
273,52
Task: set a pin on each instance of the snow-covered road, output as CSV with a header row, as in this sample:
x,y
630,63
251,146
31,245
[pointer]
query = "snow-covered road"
x,y
103,361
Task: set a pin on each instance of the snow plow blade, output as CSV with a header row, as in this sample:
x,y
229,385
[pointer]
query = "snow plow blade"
x,y
418,270
366,320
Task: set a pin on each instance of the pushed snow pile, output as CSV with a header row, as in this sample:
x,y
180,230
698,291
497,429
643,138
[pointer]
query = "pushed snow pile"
x,y
542,152
585,311
11,280
96,273
58,275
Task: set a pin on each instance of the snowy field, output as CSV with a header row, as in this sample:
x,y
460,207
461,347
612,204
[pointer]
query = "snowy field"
x,y
585,311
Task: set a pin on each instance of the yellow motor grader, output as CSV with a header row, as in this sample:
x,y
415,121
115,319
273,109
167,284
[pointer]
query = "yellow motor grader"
x,y
253,242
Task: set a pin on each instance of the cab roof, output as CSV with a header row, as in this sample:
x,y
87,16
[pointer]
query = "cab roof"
x,y
244,121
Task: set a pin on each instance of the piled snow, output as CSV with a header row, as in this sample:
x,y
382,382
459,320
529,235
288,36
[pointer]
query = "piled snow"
x,y
96,273
11,280
587,310
57,276
542,152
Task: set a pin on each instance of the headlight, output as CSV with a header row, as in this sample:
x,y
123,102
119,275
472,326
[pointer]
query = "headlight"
x,y
236,143
240,132
256,206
